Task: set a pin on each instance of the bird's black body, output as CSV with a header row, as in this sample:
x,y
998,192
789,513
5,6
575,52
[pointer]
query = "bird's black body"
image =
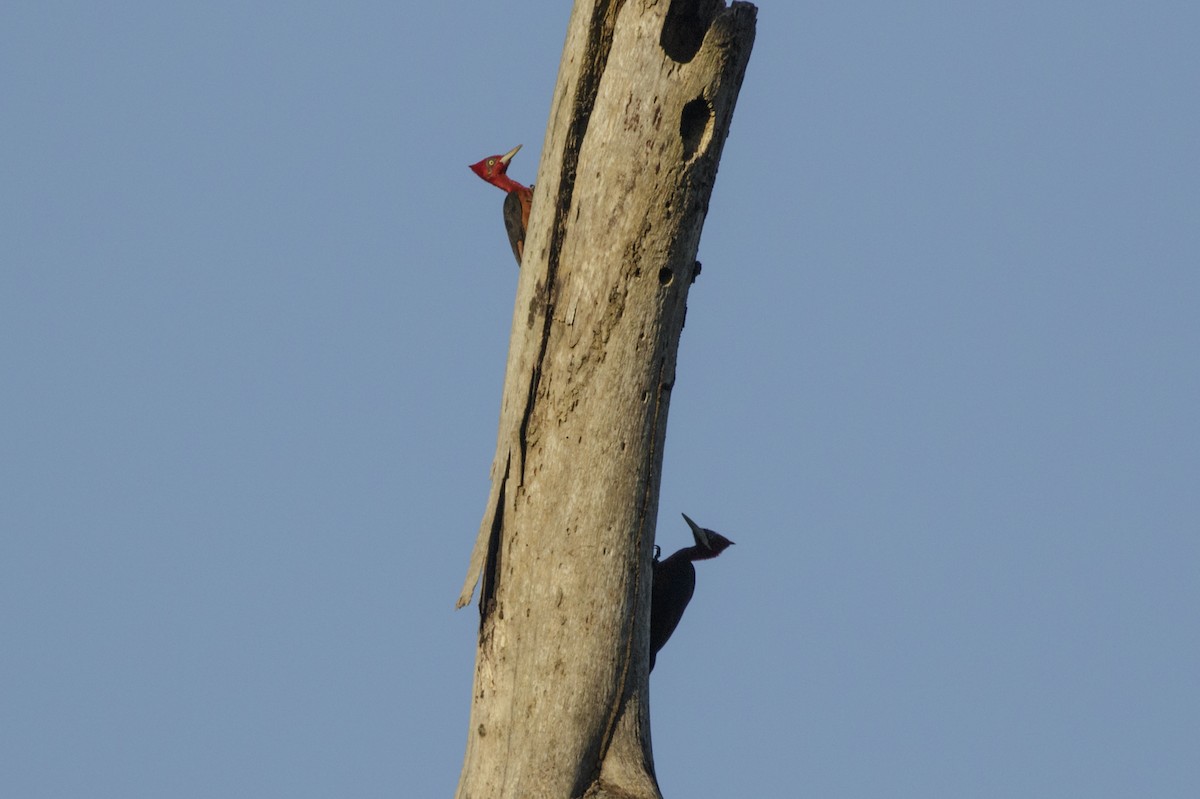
x,y
516,218
675,582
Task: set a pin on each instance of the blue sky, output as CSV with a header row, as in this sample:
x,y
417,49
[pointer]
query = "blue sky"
x,y
939,382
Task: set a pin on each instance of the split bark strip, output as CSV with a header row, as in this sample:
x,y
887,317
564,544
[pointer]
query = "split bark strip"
x,y
645,95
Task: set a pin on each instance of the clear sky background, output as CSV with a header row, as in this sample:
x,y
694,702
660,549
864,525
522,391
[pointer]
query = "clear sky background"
x,y
940,382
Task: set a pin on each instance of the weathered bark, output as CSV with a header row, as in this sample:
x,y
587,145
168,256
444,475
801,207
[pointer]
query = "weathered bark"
x,y
643,104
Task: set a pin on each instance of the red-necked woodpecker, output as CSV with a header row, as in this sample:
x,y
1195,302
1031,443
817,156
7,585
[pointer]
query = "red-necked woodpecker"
x,y
675,581
519,199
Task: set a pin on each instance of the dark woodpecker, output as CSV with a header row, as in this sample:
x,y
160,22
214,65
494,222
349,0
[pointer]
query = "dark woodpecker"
x,y
518,199
674,582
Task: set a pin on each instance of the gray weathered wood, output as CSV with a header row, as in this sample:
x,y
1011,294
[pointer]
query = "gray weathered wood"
x,y
640,113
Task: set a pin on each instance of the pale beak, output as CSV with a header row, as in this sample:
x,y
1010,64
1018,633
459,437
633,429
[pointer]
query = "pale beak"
x,y
504,159
698,532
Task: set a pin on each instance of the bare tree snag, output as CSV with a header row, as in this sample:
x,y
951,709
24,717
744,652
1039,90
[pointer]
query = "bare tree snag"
x,y
645,95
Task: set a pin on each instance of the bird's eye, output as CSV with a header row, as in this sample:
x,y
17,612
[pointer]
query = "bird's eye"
x,y
491,162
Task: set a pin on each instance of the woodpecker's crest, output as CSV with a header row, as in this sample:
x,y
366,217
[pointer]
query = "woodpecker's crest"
x,y
494,166
710,540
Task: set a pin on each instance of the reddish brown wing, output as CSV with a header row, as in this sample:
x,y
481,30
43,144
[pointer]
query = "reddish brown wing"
x,y
674,584
516,219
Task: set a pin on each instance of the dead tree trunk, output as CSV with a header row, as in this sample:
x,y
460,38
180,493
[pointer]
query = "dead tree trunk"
x,y
645,94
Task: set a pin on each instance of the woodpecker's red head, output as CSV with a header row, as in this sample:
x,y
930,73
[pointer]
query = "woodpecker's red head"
x,y
494,169
709,542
